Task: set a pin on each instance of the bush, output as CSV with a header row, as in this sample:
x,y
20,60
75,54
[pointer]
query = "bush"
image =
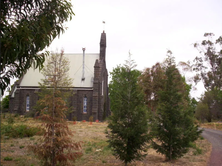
x,y
91,118
30,114
74,118
19,131
197,149
10,119
8,158
6,129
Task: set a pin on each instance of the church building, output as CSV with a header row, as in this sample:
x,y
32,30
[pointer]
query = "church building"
x,y
90,86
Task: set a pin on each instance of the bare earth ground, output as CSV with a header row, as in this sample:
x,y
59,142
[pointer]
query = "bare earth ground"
x,y
95,150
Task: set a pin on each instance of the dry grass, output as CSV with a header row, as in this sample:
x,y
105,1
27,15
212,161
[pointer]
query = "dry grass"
x,y
95,149
212,125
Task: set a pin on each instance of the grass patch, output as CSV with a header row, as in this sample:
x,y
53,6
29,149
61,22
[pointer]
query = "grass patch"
x,y
21,147
32,138
8,158
197,151
95,148
88,150
212,125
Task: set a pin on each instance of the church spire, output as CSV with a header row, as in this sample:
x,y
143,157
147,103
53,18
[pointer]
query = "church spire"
x,y
103,46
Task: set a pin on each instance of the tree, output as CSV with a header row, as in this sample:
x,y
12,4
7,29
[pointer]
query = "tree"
x,y
27,27
208,66
202,111
5,103
151,82
56,146
173,126
128,128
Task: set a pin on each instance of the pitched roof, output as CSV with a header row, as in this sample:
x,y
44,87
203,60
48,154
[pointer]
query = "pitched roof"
x,y
33,76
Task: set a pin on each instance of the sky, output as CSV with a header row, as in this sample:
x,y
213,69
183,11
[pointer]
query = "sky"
x,y
146,28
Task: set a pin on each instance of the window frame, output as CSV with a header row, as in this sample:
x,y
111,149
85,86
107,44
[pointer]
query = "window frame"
x,y
84,105
27,103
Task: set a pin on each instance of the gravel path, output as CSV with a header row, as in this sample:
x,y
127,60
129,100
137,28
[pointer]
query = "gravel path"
x,y
215,138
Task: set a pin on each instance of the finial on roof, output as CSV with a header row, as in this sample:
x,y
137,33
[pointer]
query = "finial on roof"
x,y
104,26
83,64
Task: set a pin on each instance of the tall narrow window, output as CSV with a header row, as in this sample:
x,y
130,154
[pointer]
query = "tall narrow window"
x,y
85,105
27,103
102,87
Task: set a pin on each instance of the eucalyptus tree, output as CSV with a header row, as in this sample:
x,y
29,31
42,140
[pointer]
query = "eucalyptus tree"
x,y
208,68
27,27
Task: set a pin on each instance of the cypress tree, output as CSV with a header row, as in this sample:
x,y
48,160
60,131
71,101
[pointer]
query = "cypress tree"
x,y
128,128
173,126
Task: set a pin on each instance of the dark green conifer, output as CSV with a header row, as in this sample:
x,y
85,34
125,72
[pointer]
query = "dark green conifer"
x,y
173,126
127,129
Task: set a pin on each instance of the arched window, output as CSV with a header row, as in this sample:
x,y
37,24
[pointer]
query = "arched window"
x,y
85,105
27,103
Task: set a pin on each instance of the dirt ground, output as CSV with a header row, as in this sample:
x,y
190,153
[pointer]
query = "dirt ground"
x,y
95,149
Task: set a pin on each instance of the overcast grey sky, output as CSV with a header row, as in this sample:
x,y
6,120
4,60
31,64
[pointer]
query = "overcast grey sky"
x,y
148,28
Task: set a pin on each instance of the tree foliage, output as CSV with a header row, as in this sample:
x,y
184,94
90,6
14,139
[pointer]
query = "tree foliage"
x,y
56,146
173,126
127,128
5,102
202,111
152,81
27,27
208,66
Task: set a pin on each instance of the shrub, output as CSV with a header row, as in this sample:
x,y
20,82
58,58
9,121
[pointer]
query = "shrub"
x,y
21,147
8,158
19,131
6,129
88,150
91,118
10,119
30,114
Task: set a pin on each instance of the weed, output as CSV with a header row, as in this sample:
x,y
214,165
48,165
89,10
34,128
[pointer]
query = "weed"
x,y
91,118
17,159
3,116
88,150
10,119
74,118
201,137
16,115
12,145
6,129
197,149
106,148
104,161
8,158
21,147
32,138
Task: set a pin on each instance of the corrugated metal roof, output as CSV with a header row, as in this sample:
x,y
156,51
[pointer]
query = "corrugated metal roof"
x,y
33,76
